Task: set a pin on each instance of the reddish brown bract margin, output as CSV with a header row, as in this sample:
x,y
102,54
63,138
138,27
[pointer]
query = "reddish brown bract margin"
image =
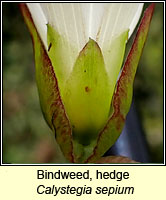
x,y
47,83
123,93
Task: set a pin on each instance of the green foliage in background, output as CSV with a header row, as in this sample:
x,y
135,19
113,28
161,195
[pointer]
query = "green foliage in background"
x,y
26,136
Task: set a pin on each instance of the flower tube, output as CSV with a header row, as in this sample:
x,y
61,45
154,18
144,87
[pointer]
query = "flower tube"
x,y
79,50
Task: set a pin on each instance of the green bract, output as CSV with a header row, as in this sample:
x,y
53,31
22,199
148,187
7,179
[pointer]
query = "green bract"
x,y
82,99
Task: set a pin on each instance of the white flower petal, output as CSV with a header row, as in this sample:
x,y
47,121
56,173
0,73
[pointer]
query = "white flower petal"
x,y
79,21
106,23
135,19
67,20
117,18
40,20
92,14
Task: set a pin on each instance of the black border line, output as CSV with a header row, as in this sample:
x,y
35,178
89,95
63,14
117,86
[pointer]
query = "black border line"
x,y
72,164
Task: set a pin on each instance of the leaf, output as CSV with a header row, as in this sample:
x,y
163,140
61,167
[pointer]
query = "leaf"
x,y
86,96
115,159
123,93
50,100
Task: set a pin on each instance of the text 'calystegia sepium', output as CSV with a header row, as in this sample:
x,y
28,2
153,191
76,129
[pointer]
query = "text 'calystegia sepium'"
x,y
85,92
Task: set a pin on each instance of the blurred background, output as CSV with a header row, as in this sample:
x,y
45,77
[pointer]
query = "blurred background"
x,y
26,136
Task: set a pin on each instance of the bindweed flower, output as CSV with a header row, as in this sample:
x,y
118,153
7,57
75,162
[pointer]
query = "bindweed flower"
x,y
84,93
